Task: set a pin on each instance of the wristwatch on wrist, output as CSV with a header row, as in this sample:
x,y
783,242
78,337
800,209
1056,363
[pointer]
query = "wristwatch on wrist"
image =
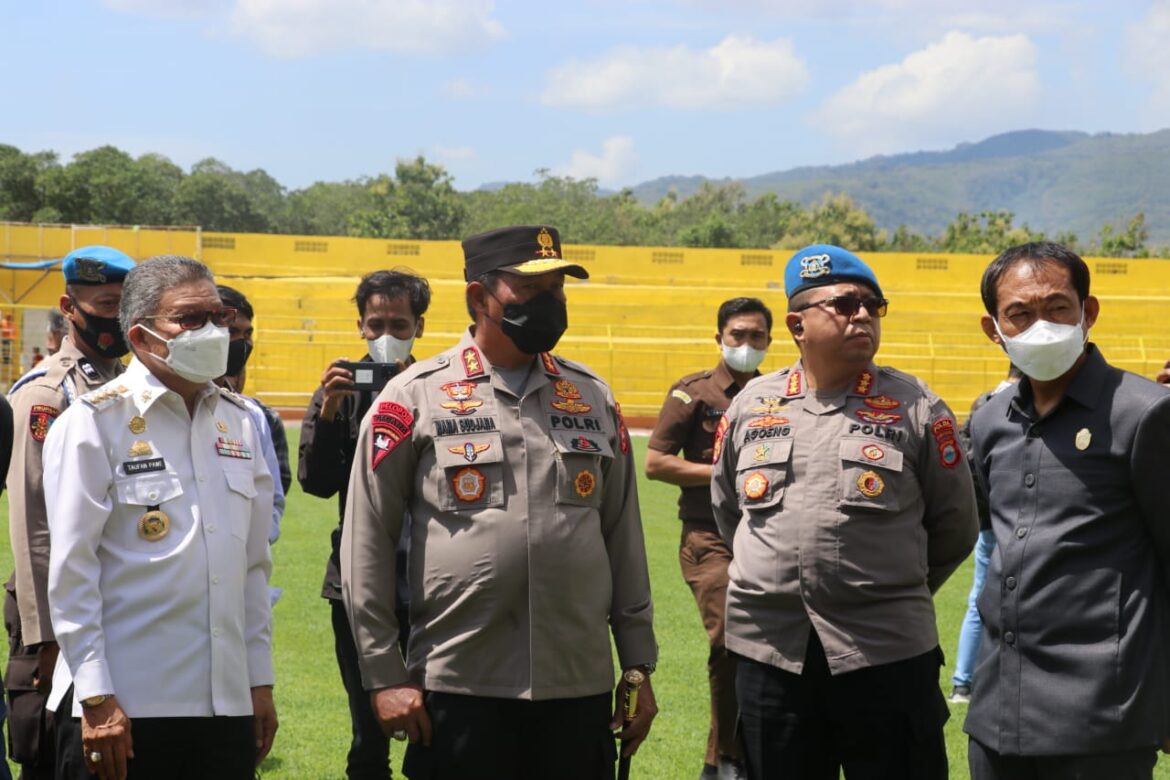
x,y
94,701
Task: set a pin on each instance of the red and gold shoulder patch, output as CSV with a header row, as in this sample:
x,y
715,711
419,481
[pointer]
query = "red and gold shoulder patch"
x,y
863,383
949,453
795,384
882,402
40,418
550,365
720,432
623,431
472,362
390,426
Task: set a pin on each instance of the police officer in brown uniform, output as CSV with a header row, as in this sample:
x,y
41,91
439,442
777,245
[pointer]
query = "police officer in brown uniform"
x,y
87,359
526,541
691,412
841,488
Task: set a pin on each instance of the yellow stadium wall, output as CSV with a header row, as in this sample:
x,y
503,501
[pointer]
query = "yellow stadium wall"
x,y
645,317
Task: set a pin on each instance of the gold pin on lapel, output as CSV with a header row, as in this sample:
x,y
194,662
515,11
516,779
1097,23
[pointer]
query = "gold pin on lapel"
x,y
137,424
1084,439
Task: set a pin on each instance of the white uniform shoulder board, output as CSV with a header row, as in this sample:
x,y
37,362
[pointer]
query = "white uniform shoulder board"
x,y
105,396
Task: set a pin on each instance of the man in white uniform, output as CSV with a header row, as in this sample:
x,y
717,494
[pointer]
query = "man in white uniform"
x,y
159,508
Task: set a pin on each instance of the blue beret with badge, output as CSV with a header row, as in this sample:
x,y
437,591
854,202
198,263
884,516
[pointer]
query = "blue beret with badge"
x,y
822,264
96,265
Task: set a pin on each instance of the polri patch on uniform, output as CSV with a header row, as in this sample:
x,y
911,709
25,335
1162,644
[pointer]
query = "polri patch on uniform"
x,y
681,395
550,365
584,444
877,417
873,452
469,450
143,466
585,483
768,421
472,362
469,484
882,403
227,447
755,485
949,454
40,418
769,404
623,431
566,389
571,406
762,453
720,432
870,484
390,426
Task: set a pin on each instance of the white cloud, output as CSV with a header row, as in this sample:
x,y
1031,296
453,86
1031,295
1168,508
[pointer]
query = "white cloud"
x,y
297,28
613,166
738,72
958,88
454,152
1147,58
461,89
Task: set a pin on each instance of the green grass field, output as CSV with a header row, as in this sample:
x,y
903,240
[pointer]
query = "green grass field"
x,y
314,721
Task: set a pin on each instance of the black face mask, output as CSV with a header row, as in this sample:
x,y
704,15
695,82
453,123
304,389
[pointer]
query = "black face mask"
x,y
102,334
238,353
536,325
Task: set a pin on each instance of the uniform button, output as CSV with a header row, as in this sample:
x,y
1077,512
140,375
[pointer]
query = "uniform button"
x,y
1011,583
215,580
217,632
152,495
1021,533
211,528
1008,636
1029,479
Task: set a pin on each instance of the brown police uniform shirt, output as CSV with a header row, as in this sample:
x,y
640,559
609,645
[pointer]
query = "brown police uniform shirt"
x,y
687,422
844,514
526,537
37,399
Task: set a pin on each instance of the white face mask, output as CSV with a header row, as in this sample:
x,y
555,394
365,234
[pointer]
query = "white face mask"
x,y
1046,350
744,358
196,355
387,349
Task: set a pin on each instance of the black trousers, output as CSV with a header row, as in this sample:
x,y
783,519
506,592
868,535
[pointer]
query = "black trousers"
x,y
190,748
986,764
30,725
477,738
880,723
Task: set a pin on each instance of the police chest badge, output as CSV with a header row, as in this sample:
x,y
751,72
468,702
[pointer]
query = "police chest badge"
x,y
469,450
584,484
1084,439
462,401
755,485
469,484
870,484
154,525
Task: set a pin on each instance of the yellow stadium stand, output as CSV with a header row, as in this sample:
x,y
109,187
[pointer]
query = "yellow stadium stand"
x,y
645,317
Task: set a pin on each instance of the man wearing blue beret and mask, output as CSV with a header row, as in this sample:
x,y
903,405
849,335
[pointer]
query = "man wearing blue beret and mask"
x,y
526,547
88,358
840,488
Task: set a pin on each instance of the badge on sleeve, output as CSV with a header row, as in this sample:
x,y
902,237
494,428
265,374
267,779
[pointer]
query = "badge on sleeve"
x,y
623,432
40,417
681,395
389,426
720,432
949,454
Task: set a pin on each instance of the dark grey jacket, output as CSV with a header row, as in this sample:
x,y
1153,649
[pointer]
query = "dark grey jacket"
x,y
1076,653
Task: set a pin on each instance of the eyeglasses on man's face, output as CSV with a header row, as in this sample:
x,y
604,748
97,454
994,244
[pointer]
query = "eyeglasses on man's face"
x,y
848,305
194,320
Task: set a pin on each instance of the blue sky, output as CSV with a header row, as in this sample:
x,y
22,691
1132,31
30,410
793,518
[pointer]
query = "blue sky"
x,y
623,91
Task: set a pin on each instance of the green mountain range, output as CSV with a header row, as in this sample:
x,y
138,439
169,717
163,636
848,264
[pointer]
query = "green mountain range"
x,y
1052,181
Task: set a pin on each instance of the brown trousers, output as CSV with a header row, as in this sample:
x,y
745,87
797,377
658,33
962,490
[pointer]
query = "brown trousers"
x,y
704,559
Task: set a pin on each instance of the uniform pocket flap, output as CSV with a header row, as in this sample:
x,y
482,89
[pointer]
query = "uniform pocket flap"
x,y
764,453
453,451
868,452
148,489
241,481
591,443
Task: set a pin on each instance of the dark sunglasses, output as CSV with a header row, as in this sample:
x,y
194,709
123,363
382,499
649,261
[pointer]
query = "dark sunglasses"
x,y
848,306
194,320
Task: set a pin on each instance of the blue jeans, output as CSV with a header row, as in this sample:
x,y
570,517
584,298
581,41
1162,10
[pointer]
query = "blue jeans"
x,y
972,630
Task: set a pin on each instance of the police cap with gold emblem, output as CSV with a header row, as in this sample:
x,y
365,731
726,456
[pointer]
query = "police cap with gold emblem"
x,y
96,265
821,264
520,249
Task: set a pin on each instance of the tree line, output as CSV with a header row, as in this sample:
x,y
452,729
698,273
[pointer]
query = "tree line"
x,y
419,201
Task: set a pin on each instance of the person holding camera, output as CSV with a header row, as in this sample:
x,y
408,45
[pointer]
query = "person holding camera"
x,y
391,305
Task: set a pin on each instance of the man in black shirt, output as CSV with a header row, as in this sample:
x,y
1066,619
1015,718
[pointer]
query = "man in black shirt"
x,y
391,305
